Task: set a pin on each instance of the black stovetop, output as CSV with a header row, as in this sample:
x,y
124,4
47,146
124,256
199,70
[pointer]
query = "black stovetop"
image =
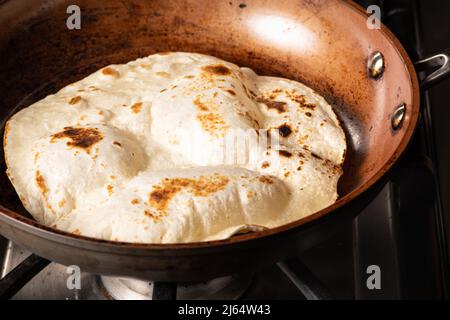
x,y
405,230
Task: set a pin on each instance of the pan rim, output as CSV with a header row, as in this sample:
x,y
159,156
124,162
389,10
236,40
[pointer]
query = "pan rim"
x,y
32,226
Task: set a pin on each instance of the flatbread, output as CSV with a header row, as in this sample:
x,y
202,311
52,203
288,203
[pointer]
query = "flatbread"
x,y
162,150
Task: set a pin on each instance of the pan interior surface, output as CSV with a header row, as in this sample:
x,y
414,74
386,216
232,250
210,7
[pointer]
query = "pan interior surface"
x,y
324,44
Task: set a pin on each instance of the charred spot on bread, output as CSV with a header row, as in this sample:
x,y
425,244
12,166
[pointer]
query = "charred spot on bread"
x,y
83,138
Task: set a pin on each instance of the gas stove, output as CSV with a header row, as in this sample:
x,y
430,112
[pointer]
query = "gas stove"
x,y
402,233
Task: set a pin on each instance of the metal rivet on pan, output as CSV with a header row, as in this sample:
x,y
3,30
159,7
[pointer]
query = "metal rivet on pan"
x,y
398,116
376,65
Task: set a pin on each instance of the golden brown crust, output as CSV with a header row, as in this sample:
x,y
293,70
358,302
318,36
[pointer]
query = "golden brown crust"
x,y
137,107
217,69
202,186
110,72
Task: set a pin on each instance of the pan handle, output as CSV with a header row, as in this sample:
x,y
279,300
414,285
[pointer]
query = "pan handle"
x,y
437,68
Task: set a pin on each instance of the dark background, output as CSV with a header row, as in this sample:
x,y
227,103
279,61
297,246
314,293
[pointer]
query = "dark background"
x,y
423,27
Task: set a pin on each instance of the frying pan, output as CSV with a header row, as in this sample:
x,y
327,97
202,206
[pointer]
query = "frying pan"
x,y
364,73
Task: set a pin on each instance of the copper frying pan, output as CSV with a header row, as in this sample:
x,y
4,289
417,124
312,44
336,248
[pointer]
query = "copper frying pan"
x,y
325,44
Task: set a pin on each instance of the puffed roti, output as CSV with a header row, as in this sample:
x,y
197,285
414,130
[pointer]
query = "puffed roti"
x,y
138,152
